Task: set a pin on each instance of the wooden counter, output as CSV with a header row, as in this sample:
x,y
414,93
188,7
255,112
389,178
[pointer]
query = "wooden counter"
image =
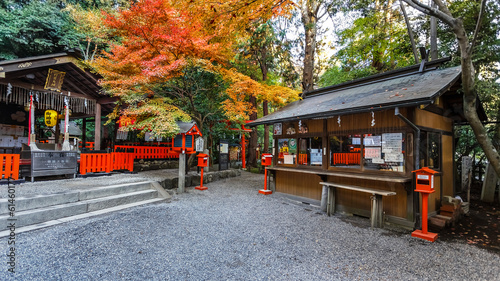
x,y
345,174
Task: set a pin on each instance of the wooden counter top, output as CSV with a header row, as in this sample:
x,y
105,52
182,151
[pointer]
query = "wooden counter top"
x,y
391,178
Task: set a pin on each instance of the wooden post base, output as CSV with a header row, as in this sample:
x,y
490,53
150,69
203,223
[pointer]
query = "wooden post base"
x,y
265,191
429,236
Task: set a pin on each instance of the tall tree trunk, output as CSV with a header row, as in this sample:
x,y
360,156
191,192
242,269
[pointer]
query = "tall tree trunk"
x,y
434,51
309,11
265,111
468,72
252,145
410,33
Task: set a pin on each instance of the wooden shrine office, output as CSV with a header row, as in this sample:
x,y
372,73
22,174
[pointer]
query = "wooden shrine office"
x,y
371,133
52,81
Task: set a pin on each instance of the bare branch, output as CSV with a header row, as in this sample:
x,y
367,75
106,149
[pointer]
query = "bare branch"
x,y
448,19
478,26
442,7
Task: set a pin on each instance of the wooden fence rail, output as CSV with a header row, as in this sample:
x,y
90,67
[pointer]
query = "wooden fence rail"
x,y
10,168
106,162
149,152
346,158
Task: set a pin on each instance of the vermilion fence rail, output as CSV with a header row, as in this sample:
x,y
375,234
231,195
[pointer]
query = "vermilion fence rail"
x,y
122,161
302,159
346,158
149,152
10,168
105,162
95,163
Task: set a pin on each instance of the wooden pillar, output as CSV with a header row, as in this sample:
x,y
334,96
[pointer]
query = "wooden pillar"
x,y
182,172
243,152
84,132
97,139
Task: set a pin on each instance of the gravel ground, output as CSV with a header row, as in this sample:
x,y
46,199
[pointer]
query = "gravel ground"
x,y
44,186
230,232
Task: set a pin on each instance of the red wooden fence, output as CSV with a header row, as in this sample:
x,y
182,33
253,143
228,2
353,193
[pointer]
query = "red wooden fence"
x,y
10,168
302,159
105,162
346,158
150,152
122,161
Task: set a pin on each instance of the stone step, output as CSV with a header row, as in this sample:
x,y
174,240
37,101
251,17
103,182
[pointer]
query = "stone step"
x,y
7,233
39,215
41,201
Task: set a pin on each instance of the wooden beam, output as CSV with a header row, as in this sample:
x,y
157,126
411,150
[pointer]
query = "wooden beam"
x,y
23,64
97,139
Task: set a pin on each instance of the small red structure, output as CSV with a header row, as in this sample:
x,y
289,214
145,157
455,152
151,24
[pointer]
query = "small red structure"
x,y
202,162
266,160
184,142
425,185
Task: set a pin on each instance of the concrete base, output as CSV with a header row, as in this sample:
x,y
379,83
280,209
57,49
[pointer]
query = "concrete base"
x,y
201,188
265,191
429,236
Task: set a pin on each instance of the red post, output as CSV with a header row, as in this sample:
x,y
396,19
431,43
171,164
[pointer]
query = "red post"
x,y
425,205
243,160
202,162
265,176
425,185
266,160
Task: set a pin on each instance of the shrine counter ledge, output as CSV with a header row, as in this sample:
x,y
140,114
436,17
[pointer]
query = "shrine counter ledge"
x,y
376,177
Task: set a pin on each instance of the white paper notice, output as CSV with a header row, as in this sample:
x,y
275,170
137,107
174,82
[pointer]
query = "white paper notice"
x,y
393,157
392,143
372,152
372,141
378,161
288,159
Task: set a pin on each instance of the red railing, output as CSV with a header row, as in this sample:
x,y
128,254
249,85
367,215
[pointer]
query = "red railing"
x,y
122,161
150,152
95,163
89,145
105,162
302,159
10,168
346,158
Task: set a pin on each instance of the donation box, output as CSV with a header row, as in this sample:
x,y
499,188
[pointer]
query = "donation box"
x,y
267,159
202,160
424,180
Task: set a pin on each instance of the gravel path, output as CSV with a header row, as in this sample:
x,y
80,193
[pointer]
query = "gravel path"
x,y
44,186
229,232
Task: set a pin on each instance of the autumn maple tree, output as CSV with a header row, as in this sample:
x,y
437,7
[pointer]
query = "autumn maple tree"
x,y
160,38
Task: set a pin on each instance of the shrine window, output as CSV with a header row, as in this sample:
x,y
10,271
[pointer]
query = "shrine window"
x,y
310,151
287,151
380,152
345,151
430,150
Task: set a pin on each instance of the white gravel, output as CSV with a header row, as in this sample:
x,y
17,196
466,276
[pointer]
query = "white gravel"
x,y
230,232
44,186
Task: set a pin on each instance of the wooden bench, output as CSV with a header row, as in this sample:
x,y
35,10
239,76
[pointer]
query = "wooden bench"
x,y
376,215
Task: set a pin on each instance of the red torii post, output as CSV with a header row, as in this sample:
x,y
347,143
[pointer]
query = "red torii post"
x,y
243,130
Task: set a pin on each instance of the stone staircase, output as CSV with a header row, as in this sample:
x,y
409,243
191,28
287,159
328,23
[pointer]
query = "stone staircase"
x,y
46,210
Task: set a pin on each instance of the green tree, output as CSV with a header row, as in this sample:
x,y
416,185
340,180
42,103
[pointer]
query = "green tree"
x,y
376,42
467,41
31,28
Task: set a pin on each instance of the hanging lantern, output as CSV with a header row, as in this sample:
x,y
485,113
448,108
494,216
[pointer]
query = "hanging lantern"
x,y
50,118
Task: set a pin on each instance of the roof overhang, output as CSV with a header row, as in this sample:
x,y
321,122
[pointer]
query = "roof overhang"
x,y
407,89
31,73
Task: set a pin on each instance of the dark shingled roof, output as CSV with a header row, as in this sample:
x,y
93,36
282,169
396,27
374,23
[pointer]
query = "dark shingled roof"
x,y
184,127
407,89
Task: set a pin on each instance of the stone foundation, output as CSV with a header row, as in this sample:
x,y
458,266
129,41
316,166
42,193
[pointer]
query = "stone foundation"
x,y
193,179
